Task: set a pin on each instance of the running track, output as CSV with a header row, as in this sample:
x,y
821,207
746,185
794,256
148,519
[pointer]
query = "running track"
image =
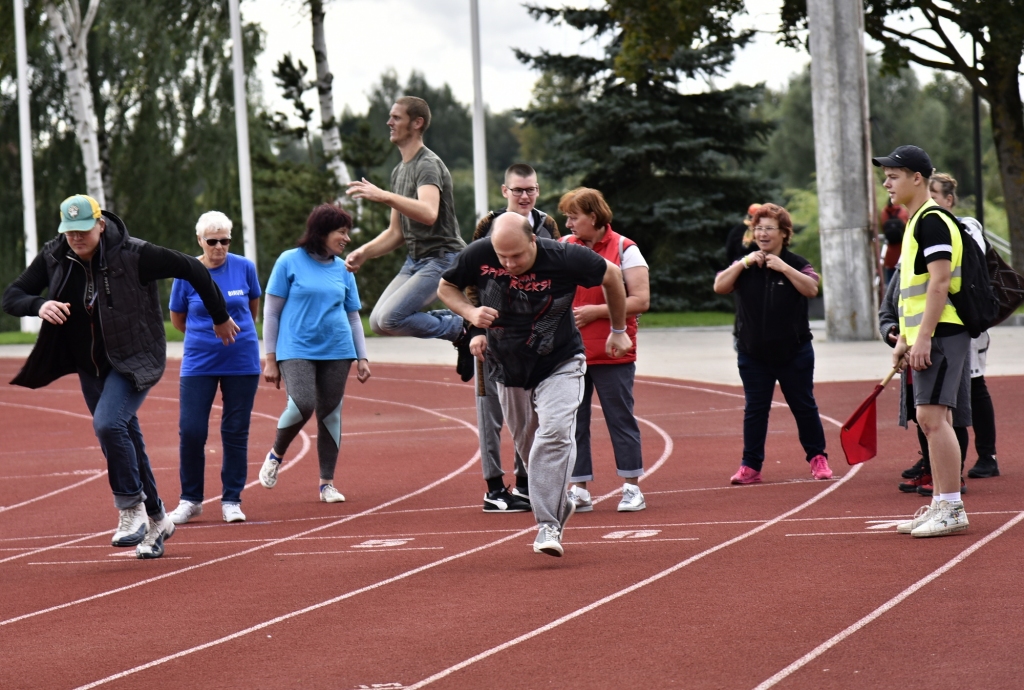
x,y
790,584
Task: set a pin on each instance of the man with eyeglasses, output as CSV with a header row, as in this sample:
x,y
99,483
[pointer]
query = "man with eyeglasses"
x,y
521,190
423,220
102,320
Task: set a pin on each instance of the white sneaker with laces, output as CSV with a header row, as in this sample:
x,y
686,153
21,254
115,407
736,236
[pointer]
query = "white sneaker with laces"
x,y
232,512
329,494
153,545
580,498
923,514
549,541
131,526
632,499
268,473
185,511
947,518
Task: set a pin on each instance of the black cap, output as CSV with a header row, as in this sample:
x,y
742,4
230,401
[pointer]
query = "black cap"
x,y
910,157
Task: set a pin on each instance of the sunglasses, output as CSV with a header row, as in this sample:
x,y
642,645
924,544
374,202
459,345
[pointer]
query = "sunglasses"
x,y
215,242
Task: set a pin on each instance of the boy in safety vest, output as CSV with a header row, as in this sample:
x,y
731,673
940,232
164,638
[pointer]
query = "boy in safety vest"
x,y
933,340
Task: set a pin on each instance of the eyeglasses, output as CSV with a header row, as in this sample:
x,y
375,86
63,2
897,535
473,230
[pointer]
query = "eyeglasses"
x,y
765,228
214,242
528,191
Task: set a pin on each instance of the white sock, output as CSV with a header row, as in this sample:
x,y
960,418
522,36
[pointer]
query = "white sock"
x,y
950,497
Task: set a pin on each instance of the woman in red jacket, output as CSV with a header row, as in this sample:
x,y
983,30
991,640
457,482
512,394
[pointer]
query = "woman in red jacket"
x,y
589,218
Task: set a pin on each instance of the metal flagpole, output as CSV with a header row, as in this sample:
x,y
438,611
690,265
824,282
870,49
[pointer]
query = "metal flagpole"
x,y
479,139
29,324
242,134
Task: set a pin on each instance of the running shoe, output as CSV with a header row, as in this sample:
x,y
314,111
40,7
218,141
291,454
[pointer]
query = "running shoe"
x,y
153,545
580,498
131,526
820,468
915,470
922,515
948,517
268,473
987,466
926,488
746,475
520,492
503,501
632,499
232,512
912,486
185,511
328,494
548,541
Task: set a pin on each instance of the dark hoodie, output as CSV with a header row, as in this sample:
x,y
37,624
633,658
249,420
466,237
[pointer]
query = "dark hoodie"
x,y
116,320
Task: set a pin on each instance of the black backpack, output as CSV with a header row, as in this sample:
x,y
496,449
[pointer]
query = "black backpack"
x,y
976,303
893,230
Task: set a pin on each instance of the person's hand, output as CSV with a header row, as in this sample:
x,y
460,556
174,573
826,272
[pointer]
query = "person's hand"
x,y
899,354
227,331
354,260
893,335
271,373
618,345
483,317
755,258
363,370
920,355
55,312
774,262
587,314
478,346
364,189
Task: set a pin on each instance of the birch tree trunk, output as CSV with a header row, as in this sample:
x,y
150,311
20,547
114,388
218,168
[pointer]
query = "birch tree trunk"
x,y
328,125
70,31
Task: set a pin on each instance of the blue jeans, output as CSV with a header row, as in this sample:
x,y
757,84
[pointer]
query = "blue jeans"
x,y
113,402
398,310
796,379
614,385
196,395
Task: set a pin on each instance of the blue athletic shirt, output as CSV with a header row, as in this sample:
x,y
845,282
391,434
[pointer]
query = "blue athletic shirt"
x,y
318,297
205,353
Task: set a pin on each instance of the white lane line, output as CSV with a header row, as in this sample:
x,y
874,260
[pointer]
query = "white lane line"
x,y
54,492
76,415
70,473
387,550
342,597
163,558
640,540
887,606
836,534
348,518
632,588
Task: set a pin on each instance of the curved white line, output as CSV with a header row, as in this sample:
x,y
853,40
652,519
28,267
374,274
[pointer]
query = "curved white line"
x,y
53,493
76,415
669,447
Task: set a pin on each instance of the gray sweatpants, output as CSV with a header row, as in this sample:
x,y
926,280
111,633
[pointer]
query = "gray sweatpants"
x,y
543,425
489,420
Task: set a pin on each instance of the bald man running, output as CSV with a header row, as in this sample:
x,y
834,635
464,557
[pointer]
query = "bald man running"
x,y
524,327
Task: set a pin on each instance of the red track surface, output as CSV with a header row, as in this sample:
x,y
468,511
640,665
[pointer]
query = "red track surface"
x,y
408,583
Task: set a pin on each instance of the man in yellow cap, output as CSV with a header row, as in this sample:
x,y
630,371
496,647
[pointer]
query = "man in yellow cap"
x,y
102,320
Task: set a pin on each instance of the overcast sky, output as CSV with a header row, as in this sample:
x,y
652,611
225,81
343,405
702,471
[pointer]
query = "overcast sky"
x,y
366,37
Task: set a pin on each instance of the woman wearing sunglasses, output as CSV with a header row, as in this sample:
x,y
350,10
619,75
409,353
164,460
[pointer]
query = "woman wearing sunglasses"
x,y
207,364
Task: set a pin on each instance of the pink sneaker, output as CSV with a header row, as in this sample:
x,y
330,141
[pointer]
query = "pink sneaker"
x,y
820,468
746,475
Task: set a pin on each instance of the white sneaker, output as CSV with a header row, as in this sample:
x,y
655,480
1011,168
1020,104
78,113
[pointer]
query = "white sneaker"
x,y
232,512
153,545
580,498
947,518
632,499
329,494
268,473
549,541
131,526
923,514
185,511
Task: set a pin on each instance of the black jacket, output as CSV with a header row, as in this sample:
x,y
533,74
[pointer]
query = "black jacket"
x,y
771,314
116,320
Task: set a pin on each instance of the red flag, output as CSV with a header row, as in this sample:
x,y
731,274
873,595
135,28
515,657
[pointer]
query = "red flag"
x,y
859,435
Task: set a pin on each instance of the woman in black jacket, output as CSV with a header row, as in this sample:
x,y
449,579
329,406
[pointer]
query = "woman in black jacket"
x,y
772,285
102,320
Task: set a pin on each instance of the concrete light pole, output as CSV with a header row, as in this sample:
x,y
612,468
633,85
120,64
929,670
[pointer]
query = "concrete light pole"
x,y
479,138
842,152
242,134
29,324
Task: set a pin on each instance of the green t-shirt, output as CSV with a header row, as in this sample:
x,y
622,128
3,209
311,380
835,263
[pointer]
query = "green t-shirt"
x,y
443,236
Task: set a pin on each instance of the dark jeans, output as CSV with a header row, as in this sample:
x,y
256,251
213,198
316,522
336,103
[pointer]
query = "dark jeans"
x,y
614,385
113,403
796,379
196,400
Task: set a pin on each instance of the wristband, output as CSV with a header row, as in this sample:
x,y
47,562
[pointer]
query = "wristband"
x,y
618,330
744,262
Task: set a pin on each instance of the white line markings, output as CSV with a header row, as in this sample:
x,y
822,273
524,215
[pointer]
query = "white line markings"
x,y
887,606
632,534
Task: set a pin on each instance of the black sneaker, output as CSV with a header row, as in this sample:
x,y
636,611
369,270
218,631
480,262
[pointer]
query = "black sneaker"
x,y
501,501
985,467
520,493
915,471
465,366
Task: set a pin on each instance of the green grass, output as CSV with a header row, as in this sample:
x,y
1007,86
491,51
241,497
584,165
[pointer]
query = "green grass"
x,y
686,319
176,336
17,338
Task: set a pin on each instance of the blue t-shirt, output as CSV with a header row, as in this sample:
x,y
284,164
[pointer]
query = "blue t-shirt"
x,y
318,297
205,354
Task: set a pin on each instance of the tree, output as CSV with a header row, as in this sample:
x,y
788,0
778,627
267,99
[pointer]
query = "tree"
x,y
997,28
328,124
676,168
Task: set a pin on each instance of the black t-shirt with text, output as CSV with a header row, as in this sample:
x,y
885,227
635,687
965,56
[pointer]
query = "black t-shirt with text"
x,y
535,331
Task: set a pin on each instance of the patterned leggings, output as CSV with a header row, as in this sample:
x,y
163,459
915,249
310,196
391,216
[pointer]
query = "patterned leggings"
x,y
314,385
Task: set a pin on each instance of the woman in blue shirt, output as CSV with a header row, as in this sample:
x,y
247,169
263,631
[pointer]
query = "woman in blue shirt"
x,y
207,364
312,333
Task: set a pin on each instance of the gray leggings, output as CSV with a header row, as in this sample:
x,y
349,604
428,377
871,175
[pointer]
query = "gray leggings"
x,y
314,385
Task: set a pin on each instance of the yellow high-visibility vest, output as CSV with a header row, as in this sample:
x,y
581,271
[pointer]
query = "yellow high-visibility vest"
x,y
914,288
